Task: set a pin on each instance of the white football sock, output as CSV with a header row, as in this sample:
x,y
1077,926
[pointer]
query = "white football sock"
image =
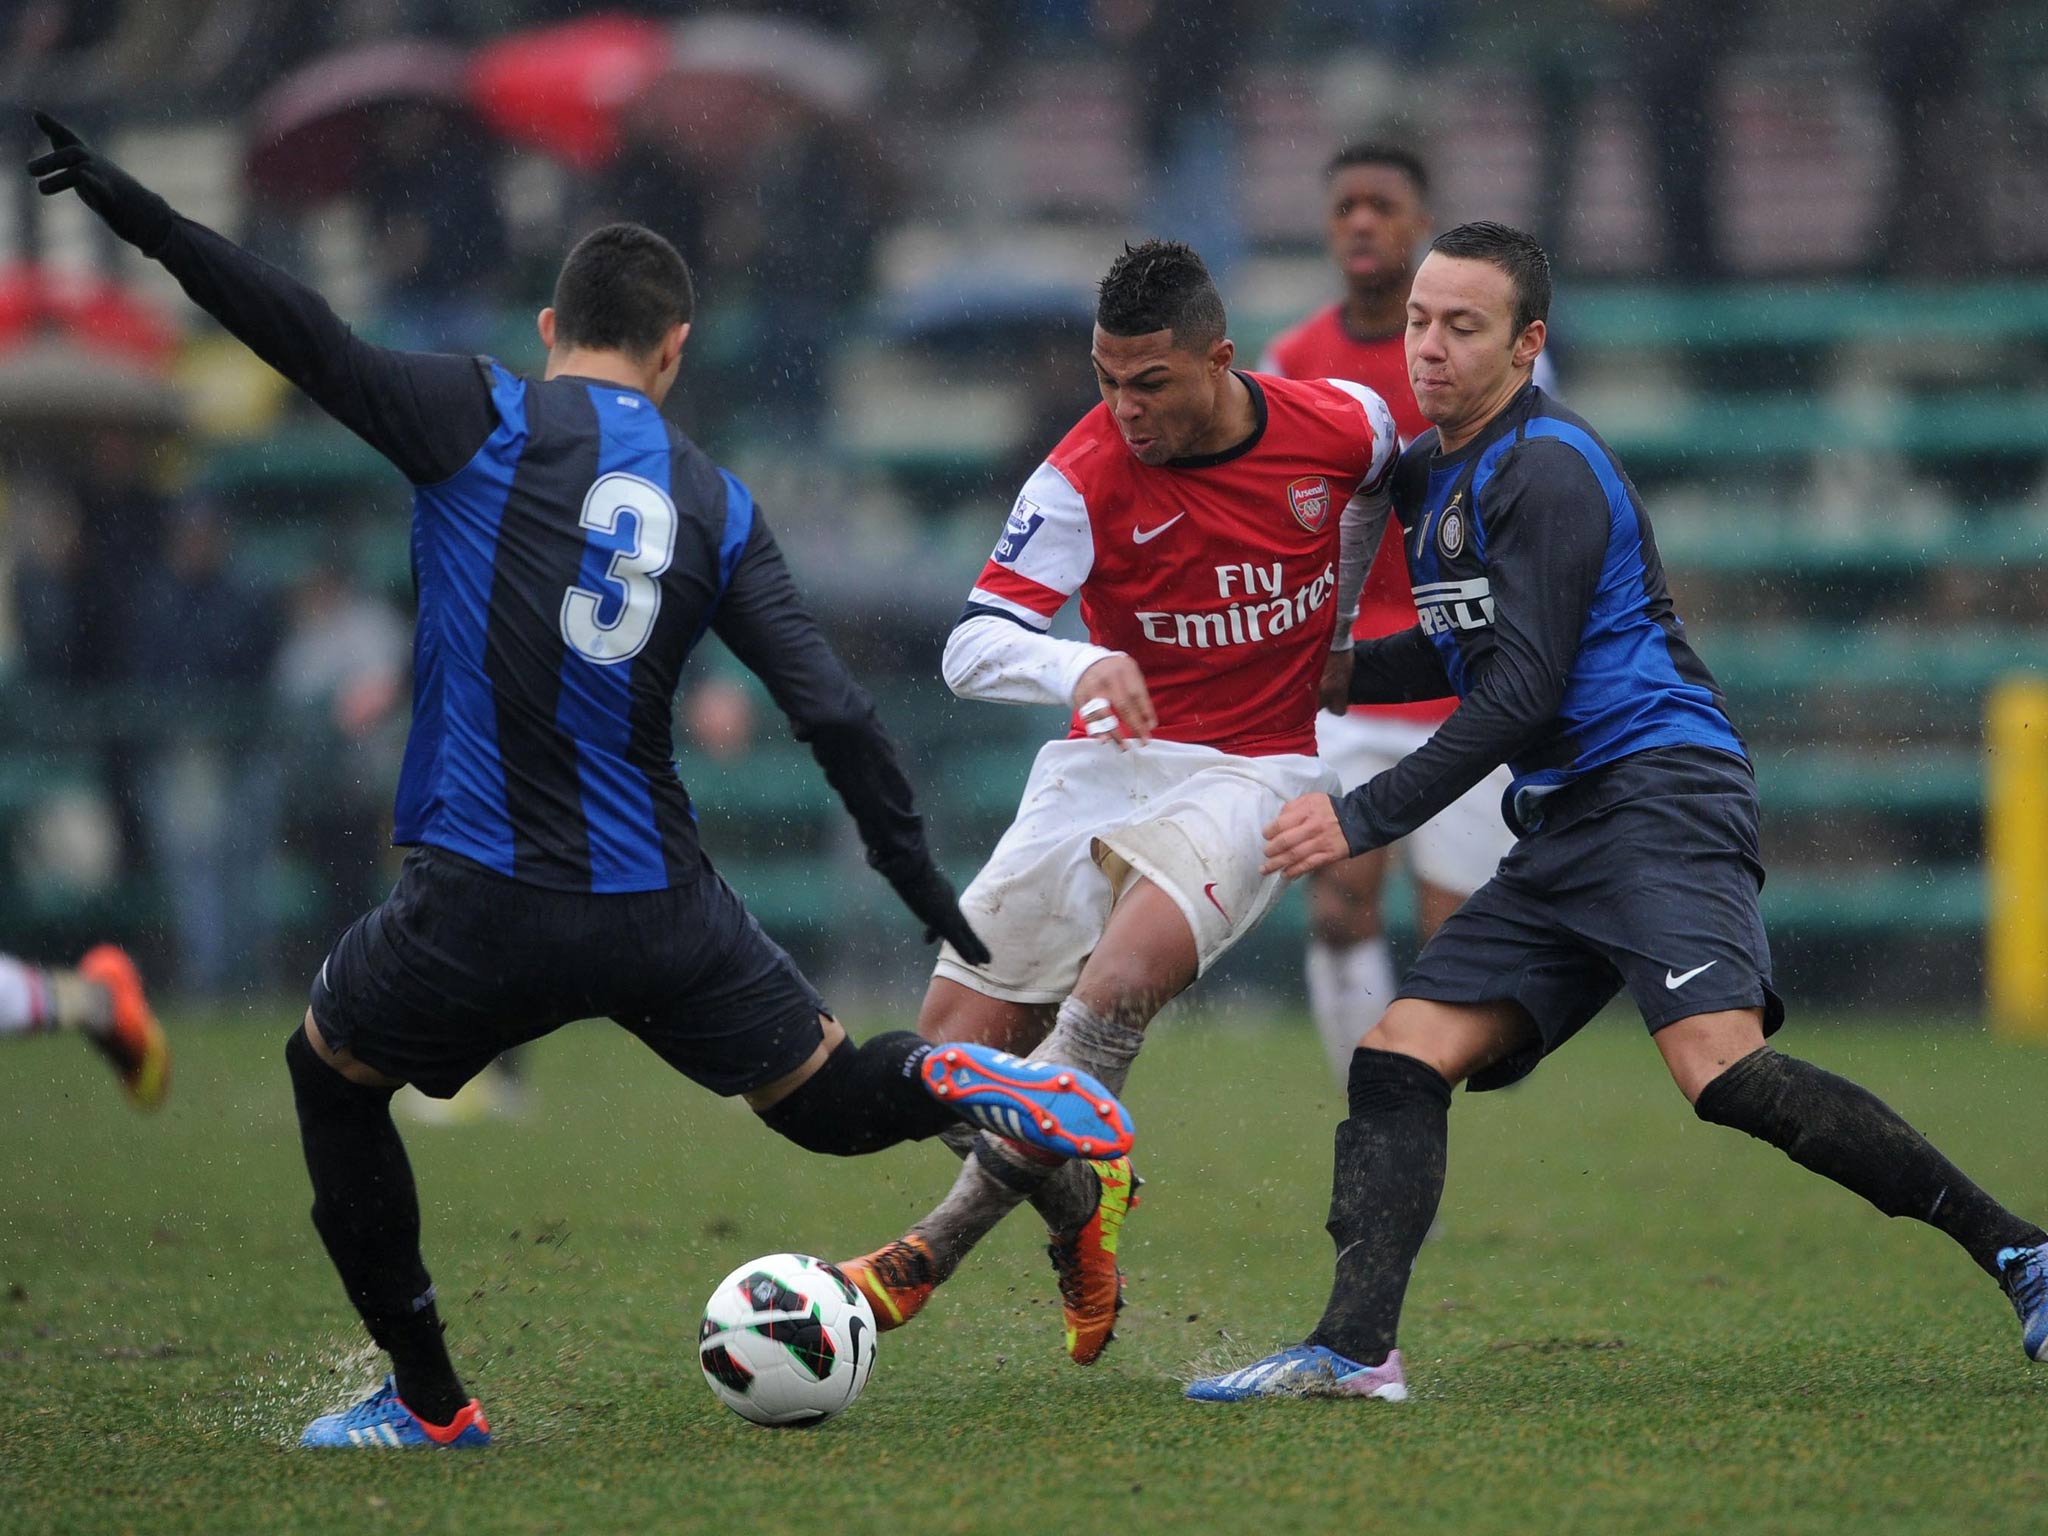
x,y
1348,989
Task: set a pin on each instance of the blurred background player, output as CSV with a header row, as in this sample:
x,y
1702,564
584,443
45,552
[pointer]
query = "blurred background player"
x,y
1376,219
1213,525
103,1000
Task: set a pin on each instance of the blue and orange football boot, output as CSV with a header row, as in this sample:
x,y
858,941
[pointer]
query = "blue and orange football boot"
x,y
1084,1262
1057,1109
896,1278
1306,1370
381,1422
134,1041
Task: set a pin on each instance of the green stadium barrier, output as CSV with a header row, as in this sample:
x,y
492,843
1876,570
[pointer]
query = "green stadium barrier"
x,y
1955,665
1868,902
1924,780
1996,539
1801,315
1715,429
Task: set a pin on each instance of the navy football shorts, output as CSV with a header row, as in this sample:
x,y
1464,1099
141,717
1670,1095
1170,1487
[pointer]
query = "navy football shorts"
x,y
460,963
1643,875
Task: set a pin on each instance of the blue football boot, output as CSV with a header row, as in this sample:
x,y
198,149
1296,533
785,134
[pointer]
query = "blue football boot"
x,y
2024,1274
1061,1110
381,1422
1306,1370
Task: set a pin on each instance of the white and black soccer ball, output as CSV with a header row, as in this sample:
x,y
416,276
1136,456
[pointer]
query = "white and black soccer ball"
x,y
787,1341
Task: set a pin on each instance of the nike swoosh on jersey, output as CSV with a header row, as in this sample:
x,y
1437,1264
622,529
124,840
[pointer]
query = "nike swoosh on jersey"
x,y
1146,536
1672,983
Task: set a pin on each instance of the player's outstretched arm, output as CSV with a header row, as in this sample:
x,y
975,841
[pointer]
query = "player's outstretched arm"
x,y
426,413
765,623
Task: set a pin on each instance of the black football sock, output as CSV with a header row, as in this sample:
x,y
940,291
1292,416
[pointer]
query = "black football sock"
x,y
864,1098
1383,1196
1848,1134
367,1211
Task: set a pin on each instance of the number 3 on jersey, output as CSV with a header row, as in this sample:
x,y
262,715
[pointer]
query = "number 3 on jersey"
x,y
631,584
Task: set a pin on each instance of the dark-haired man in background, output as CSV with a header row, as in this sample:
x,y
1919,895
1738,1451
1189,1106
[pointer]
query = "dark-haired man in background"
x,y
1215,527
570,547
1543,609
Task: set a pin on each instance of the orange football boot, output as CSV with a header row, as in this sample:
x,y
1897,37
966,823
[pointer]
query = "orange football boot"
x,y
135,1044
1084,1263
896,1279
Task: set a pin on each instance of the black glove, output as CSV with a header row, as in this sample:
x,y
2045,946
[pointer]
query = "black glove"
x,y
130,209
929,895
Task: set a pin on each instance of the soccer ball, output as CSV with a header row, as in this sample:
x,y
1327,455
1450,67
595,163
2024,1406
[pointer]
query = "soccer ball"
x,y
787,1341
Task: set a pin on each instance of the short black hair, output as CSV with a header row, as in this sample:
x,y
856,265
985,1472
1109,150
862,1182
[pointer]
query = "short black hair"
x,y
1161,285
1392,156
621,289
1515,253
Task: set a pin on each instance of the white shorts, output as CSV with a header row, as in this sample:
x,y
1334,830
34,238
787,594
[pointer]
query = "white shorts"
x,y
1190,819
1456,850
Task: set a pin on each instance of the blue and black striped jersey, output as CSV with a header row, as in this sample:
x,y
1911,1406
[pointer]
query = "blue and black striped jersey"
x,y
564,573
570,547
1542,607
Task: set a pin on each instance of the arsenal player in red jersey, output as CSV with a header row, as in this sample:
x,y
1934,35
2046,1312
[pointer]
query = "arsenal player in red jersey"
x,y
1376,218
1215,526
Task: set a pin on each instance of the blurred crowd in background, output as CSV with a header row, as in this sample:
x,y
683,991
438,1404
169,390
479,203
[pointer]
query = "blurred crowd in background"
x,y
895,213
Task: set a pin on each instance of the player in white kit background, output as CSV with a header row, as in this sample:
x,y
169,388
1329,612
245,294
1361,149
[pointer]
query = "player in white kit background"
x,y
1215,527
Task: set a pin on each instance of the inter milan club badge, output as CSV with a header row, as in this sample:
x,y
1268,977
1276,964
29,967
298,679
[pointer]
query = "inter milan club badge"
x,y
1450,530
1310,498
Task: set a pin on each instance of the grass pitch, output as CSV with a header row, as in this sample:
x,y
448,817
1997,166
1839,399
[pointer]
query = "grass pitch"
x,y
1627,1322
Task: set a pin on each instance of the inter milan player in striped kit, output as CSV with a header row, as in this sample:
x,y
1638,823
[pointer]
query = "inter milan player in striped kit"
x,y
1543,609
570,547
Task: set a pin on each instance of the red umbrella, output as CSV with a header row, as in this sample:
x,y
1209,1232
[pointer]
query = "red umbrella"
x,y
85,312
308,131
564,88
77,348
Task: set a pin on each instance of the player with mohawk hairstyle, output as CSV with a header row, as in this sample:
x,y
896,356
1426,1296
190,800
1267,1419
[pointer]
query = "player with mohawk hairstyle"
x,y
1216,527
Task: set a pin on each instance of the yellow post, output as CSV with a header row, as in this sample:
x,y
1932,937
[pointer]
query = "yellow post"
x,y
2016,858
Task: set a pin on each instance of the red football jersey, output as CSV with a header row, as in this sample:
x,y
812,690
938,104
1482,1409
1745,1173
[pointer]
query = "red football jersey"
x,y
1321,348
1217,575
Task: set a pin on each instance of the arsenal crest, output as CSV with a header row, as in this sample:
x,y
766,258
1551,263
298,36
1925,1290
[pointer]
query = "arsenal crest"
x,y
1310,498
